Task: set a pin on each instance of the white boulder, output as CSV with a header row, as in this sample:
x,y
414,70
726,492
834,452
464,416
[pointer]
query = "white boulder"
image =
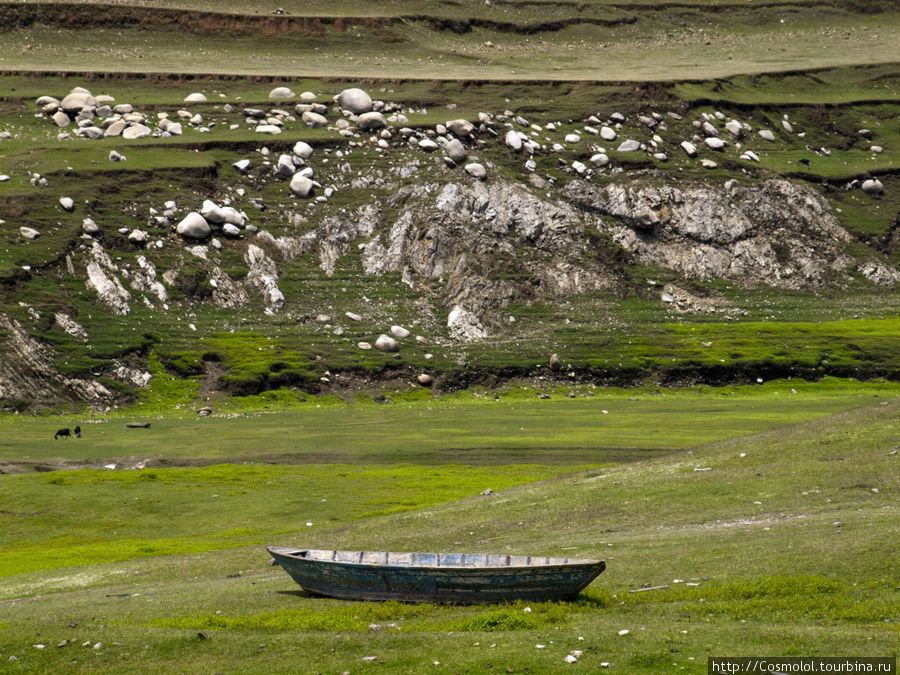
x,y
193,226
301,186
385,343
281,93
355,100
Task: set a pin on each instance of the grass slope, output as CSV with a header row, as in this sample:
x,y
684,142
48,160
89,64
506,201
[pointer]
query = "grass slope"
x,y
781,542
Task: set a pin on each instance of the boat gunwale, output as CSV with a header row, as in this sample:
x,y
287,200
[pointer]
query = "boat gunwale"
x,y
553,562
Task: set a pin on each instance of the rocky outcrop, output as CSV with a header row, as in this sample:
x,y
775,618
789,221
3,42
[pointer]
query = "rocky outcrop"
x,y
28,375
101,278
775,232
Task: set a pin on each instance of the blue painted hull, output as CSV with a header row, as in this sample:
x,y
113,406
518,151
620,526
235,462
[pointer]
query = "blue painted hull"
x,y
435,577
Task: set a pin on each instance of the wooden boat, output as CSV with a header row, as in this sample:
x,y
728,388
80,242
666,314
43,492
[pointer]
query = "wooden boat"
x,y
435,577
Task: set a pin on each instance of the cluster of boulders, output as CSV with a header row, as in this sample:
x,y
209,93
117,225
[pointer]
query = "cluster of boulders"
x,y
96,117
210,219
385,124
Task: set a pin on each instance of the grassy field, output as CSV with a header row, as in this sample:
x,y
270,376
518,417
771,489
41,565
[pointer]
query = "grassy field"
x,y
775,541
519,41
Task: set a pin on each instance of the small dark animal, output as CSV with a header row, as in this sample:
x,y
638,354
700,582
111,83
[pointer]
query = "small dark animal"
x,y
804,162
62,433
77,432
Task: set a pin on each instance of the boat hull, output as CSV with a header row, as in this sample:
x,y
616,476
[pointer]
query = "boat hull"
x,y
417,577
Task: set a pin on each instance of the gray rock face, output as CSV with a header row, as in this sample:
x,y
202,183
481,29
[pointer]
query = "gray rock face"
x,y
193,226
880,273
101,278
465,326
355,100
704,232
27,371
263,277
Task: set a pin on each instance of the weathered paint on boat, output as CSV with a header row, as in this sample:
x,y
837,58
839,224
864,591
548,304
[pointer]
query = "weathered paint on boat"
x,y
435,577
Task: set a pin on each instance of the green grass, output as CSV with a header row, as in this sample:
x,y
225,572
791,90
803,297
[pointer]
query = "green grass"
x,y
519,425
655,44
234,503
783,544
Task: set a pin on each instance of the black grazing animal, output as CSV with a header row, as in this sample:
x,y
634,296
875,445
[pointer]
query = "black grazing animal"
x,y
804,162
77,432
62,433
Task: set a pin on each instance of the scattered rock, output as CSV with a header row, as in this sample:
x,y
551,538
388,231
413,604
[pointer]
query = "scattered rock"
x,y
302,150
456,151
29,232
872,186
301,186
476,170
513,140
385,343
136,131
281,93
629,146
196,97
425,379
767,135
371,121
67,203
462,128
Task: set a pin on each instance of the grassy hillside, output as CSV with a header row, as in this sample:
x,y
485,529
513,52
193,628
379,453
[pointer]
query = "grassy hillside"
x,y
623,336
461,40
